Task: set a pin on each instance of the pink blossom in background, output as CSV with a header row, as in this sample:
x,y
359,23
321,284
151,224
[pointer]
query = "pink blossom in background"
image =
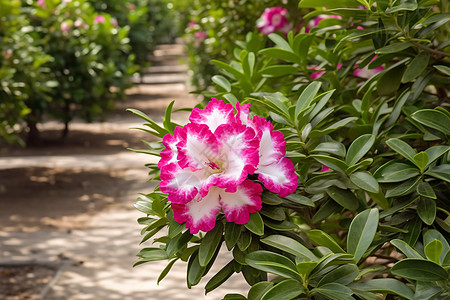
x,y
324,169
206,163
114,22
366,72
131,6
41,3
200,35
65,26
191,23
99,19
318,74
315,22
273,19
78,23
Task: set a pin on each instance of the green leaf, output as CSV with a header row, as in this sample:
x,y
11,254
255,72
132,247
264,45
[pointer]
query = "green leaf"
x,y
284,290
244,241
279,70
365,181
232,233
177,243
306,97
419,269
424,189
222,82
393,48
167,115
289,245
280,41
333,127
385,286
259,289
361,232
402,148
433,251
209,244
416,67
401,7
433,234
331,162
344,275
440,172
345,198
405,249
331,148
300,199
395,172
403,188
272,263
220,277
414,228
390,81
255,224
443,69
435,152
152,254
166,270
194,270
282,54
359,148
321,238
421,160
334,291
226,67
305,268
234,297
433,118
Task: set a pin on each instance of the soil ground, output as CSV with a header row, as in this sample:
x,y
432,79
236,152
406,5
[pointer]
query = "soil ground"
x,y
72,202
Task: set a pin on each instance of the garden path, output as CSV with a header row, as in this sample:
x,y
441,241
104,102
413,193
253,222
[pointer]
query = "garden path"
x,y
74,202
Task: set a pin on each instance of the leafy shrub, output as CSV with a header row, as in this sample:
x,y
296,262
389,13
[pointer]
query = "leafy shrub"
x,y
24,72
215,27
362,101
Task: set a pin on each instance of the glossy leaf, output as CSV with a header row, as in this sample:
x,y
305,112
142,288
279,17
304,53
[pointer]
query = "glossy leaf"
x,y
259,289
406,249
272,263
365,181
426,190
385,286
426,209
416,67
220,277
433,251
361,232
419,269
414,228
255,224
395,172
331,162
345,198
433,118
344,275
393,48
321,238
334,291
443,69
331,148
433,234
289,245
440,172
285,290
222,82
166,270
332,127
359,148
403,188
306,97
209,244
232,233
421,160
402,148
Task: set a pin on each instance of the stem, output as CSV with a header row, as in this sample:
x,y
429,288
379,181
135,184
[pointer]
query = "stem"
x,y
431,50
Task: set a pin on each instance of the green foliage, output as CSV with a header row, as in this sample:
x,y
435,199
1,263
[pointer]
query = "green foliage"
x,y
384,137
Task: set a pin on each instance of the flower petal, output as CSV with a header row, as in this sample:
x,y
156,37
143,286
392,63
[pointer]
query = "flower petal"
x,y
279,177
272,146
238,155
213,115
200,213
239,205
197,146
242,113
182,185
170,153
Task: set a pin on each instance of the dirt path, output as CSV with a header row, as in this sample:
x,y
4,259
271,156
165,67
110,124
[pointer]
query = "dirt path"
x,y
73,202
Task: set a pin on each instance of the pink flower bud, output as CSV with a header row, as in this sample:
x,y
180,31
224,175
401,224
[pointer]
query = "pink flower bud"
x,y
99,19
41,3
65,26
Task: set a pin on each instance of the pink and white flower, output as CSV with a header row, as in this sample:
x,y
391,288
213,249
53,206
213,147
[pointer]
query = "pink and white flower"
x,y
65,26
273,19
206,163
99,19
366,72
41,3
315,22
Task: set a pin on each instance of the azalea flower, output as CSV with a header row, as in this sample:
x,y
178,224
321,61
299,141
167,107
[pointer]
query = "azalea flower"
x,y
206,163
65,26
273,19
41,3
99,19
318,74
366,72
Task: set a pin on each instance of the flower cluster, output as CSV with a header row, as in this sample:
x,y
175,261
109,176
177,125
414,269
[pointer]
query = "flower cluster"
x,y
274,19
206,164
